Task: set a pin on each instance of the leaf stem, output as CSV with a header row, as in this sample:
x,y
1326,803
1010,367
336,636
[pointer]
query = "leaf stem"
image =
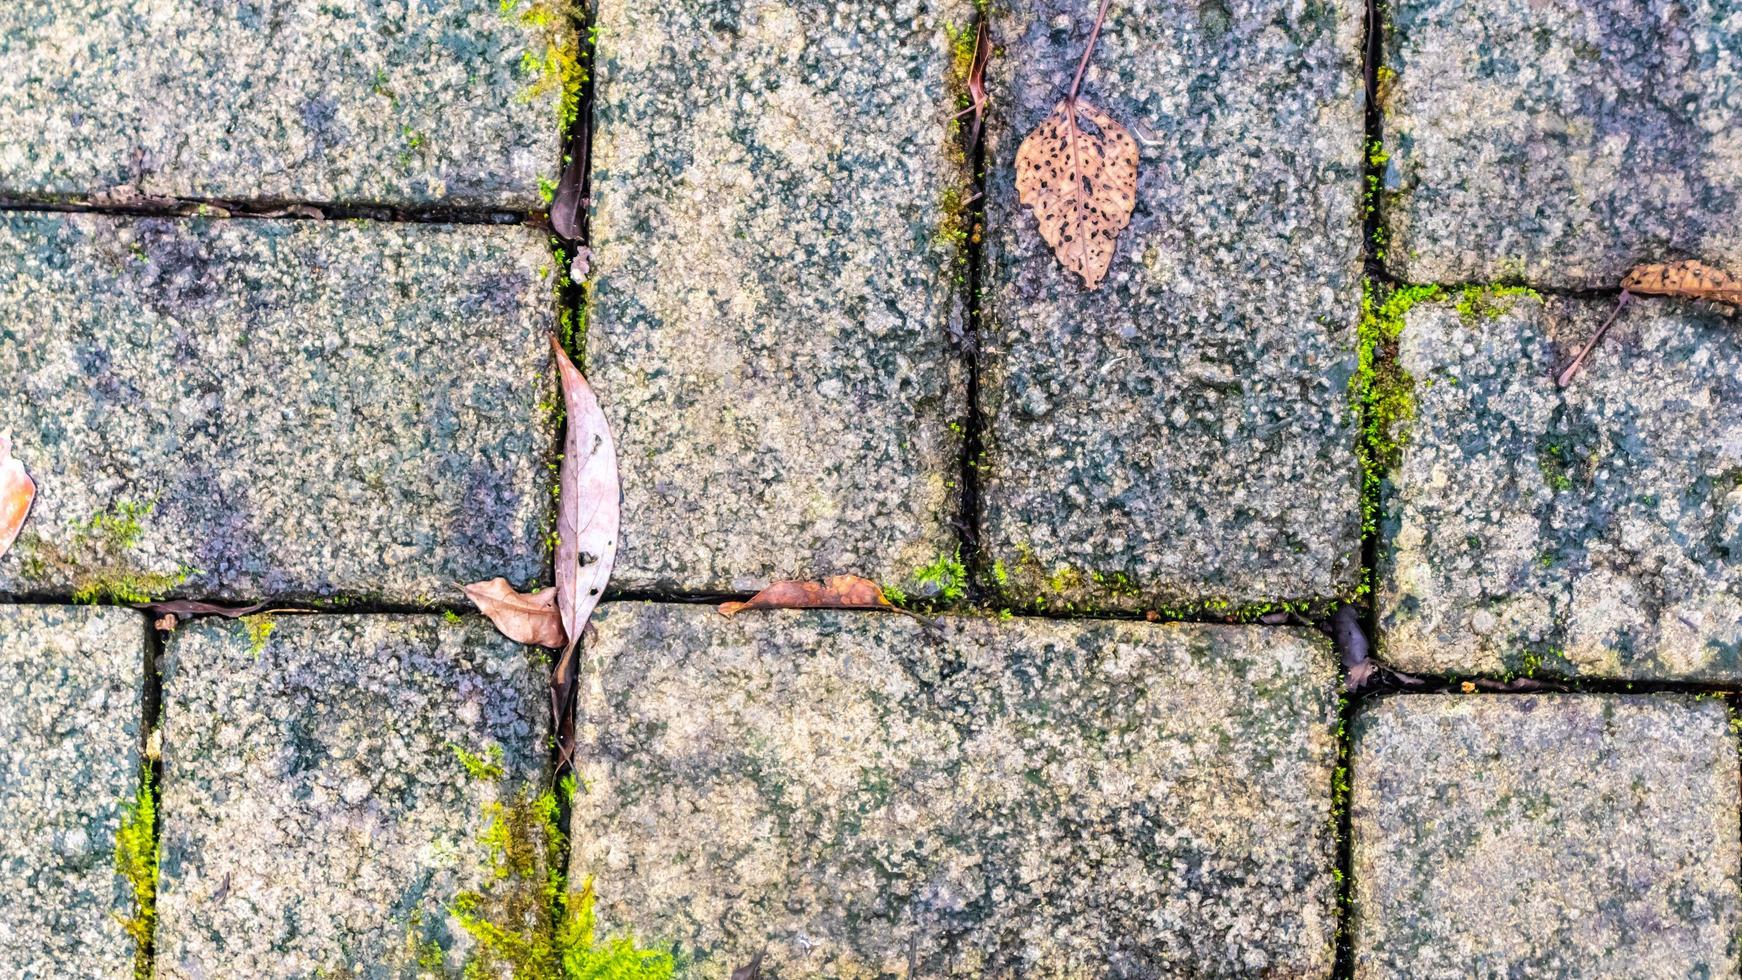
x,y
1088,50
1566,376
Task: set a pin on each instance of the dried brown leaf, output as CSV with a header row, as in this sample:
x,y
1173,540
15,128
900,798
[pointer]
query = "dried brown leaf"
x,y
193,607
838,592
1078,171
523,618
17,491
565,207
1690,279
753,969
587,513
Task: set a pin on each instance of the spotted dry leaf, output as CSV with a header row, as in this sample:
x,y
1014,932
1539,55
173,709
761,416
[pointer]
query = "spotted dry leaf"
x,y
1078,171
17,491
1691,279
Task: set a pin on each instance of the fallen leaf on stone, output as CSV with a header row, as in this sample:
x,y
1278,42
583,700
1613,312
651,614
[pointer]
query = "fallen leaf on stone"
x,y
588,502
1689,279
194,607
532,619
565,207
17,491
838,592
751,970
1078,171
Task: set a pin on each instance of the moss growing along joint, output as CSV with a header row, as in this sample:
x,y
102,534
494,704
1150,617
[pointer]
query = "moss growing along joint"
x,y
136,863
554,66
1382,390
95,558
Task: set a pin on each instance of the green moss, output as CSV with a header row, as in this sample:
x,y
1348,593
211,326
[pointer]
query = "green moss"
x,y
450,617
260,629
95,558
486,767
946,577
1489,302
554,64
1382,391
136,863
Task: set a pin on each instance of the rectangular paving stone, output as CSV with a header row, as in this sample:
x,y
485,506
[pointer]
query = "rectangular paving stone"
x,y
1593,530
241,409
318,818
1560,142
354,101
874,795
1183,433
71,692
1566,835
777,276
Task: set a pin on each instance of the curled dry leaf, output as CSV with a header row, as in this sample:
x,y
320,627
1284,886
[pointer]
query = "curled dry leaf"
x,y
523,618
565,207
17,491
753,969
838,592
1078,171
1690,279
194,607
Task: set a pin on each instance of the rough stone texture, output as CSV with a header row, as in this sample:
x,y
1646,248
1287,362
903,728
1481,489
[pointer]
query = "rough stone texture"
x,y
1183,433
1561,141
71,681
872,795
313,408
774,290
1537,836
357,101
1594,530
316,818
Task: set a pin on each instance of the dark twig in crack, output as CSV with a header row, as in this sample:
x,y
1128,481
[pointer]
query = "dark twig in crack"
x,y
1566,375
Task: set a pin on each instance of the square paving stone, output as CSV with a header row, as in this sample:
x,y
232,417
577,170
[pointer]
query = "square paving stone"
x,y
1560,142
71,706
1575,835
777,277
240,409
1183,433
318,817
875,795
354,101
1593,530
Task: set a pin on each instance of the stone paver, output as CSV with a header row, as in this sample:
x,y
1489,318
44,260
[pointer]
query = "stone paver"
x,y
1184,432
1594,530
775,287
236,409
1561,141
316,819
1555,835
71,683
355,101
873,795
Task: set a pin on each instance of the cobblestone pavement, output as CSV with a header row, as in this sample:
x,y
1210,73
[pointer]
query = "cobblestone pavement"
x,y
275,286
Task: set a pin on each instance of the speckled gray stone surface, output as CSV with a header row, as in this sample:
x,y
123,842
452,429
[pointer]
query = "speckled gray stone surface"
x,y
316,819
71,681
1184,432
871,795
305,408
772,297
1545,836
355,101
1595,530
1561,141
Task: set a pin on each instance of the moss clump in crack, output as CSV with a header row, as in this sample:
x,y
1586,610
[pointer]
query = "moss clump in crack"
x,y
525,923
1489,302
136,863
554,64
95,558
1383,392
259,627
946,578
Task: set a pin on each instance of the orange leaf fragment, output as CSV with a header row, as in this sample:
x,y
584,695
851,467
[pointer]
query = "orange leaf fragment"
x,y
1078,171
1690,279
17,492
838,592
523,618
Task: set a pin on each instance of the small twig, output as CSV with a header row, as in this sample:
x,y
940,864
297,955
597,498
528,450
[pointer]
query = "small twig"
x,y
1088,51
1566,374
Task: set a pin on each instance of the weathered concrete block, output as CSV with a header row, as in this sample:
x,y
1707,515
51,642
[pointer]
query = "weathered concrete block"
x,y
1552,835
1592,530
1560,142
1183,433
275,408
869,794
317,816
71,687
777,275
353,101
